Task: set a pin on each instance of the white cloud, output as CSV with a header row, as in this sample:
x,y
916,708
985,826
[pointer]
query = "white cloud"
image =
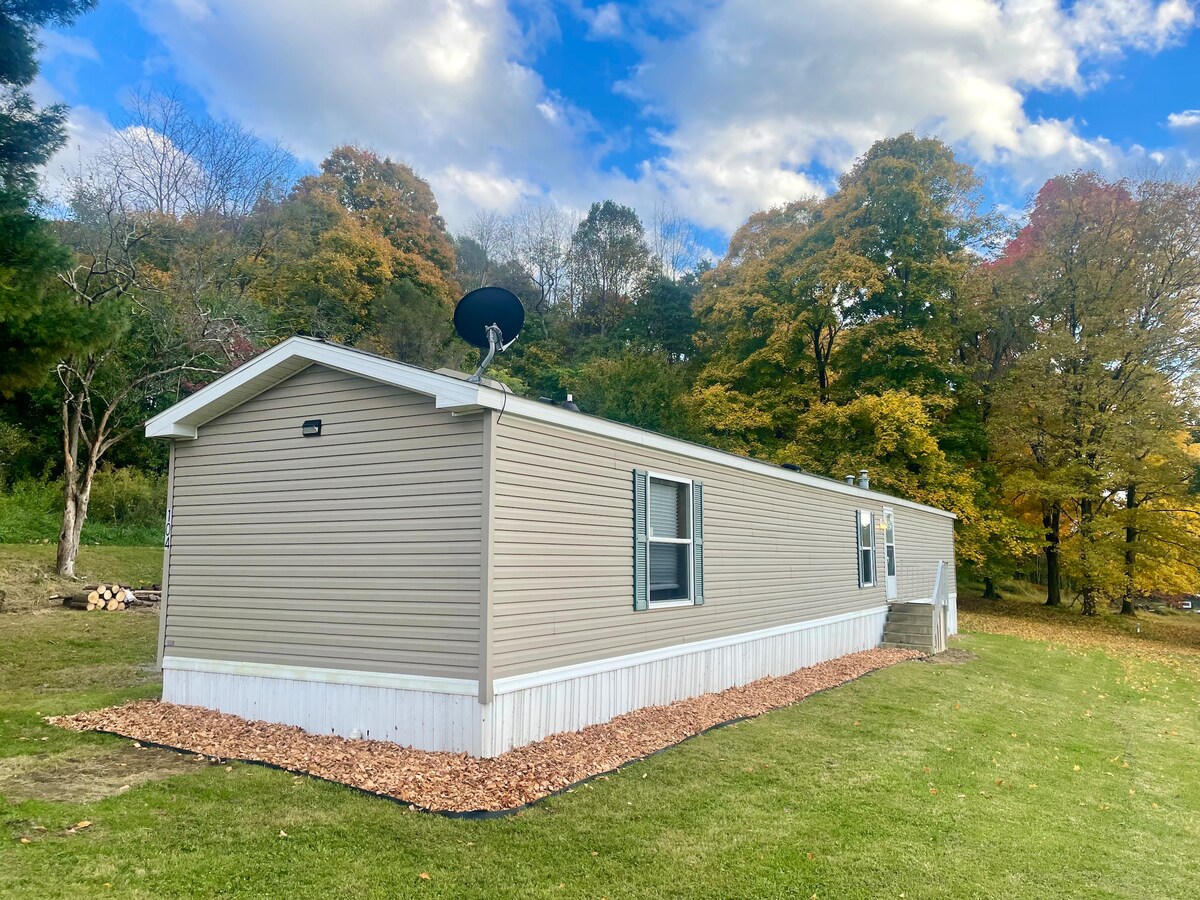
x,y
1188,118
87,132
762,90
604,21
755,101
56,45
440,84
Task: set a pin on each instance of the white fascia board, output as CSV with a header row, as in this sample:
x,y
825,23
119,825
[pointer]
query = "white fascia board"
x,y
459,396
170,422
182,419
544,412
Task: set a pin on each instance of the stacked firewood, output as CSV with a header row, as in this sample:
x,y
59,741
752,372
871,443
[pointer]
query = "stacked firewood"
x,y
112,597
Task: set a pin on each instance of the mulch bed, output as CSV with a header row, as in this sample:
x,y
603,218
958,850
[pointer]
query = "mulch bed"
x,y
455,782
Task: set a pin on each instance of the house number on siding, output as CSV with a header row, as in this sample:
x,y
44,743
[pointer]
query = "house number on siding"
x,y
167,532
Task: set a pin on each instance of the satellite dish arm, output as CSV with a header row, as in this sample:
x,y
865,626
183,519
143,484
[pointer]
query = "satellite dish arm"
x,y
495,341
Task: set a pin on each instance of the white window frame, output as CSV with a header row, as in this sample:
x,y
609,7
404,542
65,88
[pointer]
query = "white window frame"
x,y
872,579
690,600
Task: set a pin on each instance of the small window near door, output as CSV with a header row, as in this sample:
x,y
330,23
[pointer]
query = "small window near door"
x,y
889,542
866,548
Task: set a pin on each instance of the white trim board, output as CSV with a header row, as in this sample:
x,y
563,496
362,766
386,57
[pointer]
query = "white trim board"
x,y
183,420
563,673
511,684
432,684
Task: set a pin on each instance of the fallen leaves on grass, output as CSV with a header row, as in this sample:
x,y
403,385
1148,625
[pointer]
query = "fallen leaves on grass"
x,y
455,782
1168,643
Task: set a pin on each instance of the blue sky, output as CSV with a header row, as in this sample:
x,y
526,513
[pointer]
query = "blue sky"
x,y
711,108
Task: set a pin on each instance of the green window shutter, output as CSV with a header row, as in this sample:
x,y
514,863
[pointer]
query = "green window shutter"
x,y
698,539
641,543
858,554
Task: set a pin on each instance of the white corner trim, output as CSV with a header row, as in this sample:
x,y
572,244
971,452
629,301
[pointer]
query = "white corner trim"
x,y
456,395
563,673
428,683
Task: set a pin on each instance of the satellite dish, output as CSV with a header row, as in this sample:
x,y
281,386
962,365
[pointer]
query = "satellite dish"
x,y
489,318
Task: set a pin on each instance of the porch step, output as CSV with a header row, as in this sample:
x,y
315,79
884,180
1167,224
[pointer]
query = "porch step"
x,y
922,618
909,626
921,646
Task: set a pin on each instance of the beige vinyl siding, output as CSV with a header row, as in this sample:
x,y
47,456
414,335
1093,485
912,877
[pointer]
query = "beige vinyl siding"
x,y
922,539
775,552
359,549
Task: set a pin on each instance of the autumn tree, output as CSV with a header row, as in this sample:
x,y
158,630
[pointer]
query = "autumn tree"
x,y
360,255
1092,418
393,201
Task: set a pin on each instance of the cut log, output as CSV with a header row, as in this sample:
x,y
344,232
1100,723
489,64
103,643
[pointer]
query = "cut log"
x,y
93,597
111,605
101,588
147,595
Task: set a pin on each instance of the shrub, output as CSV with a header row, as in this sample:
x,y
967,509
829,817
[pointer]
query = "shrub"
x,y
127,507
128,497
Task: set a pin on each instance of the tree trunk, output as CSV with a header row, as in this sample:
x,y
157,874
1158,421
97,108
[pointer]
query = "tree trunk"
x,y
1051,521
68,537
989,589
1131,536
1089,607
75,510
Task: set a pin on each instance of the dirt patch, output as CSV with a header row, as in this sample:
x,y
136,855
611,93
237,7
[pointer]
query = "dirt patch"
x,y
88,773
452,782
951,657
27,585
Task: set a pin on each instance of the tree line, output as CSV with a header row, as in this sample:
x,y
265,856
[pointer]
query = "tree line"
x,y
1036,378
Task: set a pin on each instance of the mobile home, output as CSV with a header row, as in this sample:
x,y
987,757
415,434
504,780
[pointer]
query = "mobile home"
x,y
367,548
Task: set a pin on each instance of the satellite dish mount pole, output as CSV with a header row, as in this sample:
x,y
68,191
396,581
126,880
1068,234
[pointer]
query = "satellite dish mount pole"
x,y
495,341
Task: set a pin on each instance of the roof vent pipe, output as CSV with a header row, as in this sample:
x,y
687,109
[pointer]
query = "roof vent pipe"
x,y
849,479
571,404
863,481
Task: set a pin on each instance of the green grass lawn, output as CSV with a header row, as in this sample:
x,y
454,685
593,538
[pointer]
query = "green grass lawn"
x,y
1031,771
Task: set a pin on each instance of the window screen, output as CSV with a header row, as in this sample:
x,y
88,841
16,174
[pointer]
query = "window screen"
x,y
670,540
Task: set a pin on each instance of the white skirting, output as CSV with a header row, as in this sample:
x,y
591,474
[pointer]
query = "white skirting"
x,y
426,720
576,697
525,708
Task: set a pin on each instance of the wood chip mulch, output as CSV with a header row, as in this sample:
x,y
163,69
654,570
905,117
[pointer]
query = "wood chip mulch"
x,y
455,782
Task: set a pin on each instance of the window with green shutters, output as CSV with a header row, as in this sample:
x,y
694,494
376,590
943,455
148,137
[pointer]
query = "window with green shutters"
x,y
668,540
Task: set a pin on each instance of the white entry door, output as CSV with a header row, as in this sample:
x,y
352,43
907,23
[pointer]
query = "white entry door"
x,y
889,553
